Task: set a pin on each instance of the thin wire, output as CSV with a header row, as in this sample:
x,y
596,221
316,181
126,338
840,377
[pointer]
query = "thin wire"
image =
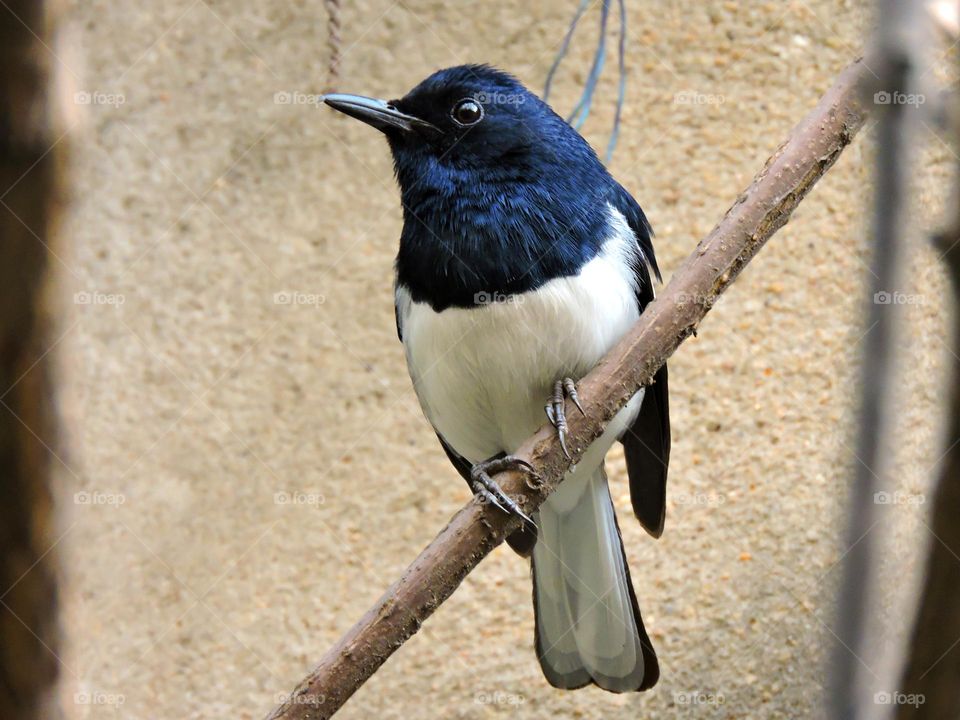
x,y
622,90
334,43
582,110
561,53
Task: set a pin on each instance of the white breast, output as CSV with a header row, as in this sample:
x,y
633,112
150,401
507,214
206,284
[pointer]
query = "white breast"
x,y
483,374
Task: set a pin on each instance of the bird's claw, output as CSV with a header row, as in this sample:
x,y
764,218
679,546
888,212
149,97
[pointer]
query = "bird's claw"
x,y
488,489
571,390
556,409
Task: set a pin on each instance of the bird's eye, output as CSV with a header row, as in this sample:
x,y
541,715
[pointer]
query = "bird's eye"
x,y
467,112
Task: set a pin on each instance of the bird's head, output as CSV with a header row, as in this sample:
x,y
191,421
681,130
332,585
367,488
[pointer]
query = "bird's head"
x,y
498,191
469,120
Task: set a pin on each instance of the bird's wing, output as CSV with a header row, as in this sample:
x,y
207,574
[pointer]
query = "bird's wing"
x,y
646,444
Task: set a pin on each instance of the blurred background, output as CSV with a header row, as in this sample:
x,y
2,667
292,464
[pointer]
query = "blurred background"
x,y
246,467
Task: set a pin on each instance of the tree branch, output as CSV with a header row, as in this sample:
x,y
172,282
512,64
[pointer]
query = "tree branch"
x,y
475,530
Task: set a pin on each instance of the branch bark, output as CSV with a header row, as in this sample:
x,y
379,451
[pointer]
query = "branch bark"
x,y
812,148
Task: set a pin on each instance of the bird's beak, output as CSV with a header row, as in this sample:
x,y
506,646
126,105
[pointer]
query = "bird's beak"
x,y
378,113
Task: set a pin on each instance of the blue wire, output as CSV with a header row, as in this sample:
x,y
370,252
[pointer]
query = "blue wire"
x,y
563,48
582,110
622,91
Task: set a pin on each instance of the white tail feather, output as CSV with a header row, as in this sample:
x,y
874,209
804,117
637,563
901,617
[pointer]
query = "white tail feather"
x,y
586,629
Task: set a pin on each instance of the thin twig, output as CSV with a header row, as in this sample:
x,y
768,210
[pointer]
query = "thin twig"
x,y
334,43
475,530
561,53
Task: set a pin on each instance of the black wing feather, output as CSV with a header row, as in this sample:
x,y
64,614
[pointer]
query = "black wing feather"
x,y
646,443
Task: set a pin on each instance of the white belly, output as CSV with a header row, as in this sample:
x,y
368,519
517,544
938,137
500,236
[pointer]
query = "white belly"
x,y
483,374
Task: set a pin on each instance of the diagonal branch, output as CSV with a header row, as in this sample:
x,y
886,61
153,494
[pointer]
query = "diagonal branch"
x,y
475,530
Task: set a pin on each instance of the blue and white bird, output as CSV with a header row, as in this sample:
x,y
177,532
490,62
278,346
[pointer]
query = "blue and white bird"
x,y
521,263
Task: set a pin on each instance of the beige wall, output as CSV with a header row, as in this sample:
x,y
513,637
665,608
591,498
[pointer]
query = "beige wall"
x,y
199,398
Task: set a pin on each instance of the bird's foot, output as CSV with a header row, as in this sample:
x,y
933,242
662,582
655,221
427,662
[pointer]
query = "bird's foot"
x,y
556,411
486,488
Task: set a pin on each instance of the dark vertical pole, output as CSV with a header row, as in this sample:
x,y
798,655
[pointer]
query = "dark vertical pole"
x,y
894,60
28,606
932,667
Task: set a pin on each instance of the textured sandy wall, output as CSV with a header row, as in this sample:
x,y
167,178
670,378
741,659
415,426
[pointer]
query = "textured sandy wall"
x,y
198,399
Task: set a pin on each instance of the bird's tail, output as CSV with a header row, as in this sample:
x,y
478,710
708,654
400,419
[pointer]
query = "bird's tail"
x,y
588,624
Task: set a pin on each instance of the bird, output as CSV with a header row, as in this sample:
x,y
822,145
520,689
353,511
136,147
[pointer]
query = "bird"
x,y
521,262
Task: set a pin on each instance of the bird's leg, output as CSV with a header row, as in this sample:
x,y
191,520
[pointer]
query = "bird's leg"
x,y
487,488
556,412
